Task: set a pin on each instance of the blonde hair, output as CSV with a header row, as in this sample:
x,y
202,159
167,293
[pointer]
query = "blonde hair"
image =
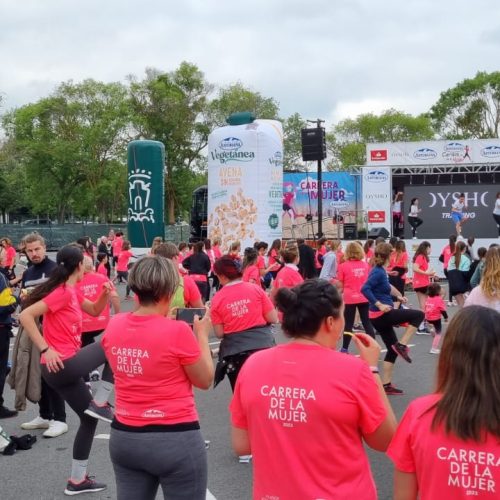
x,y
153,278
335,245
354,251
382,254
490,281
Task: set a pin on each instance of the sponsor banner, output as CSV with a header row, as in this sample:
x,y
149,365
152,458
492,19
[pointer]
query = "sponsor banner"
x,y
339,191
436,201
245,183
453,152
377,196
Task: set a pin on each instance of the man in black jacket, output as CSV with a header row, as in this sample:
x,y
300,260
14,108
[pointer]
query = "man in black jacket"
x,y
307,266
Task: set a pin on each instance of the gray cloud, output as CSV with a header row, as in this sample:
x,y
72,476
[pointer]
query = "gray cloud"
x,y
322,58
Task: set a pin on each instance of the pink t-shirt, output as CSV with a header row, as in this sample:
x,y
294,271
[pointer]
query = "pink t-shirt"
x,y
91,287
251,273
369,255
101,269
353,274
261,262
320,251
446,256
433,308
117,245
191,291
445,466
273,255
62,324
10,256
288,277
123,260
421,280
305,408
239,306
147,355
217,252
396,260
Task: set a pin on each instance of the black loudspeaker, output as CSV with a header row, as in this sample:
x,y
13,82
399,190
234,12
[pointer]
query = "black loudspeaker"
x,y
350,231
313,144
378,232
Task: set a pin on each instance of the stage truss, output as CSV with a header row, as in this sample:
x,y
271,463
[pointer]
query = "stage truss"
x,y
436,169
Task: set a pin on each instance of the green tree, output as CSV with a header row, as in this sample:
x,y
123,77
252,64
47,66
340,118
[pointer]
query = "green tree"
x,y
171,108
469,110
292,127
347,141
235,98
68,142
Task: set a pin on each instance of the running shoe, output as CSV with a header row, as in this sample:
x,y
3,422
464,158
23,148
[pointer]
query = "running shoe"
x,y
402,350
104,413
390,390
6,412
88,485
435,350
55,429
36,423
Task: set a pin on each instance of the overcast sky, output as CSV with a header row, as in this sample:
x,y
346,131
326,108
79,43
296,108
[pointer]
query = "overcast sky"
x,y
322,58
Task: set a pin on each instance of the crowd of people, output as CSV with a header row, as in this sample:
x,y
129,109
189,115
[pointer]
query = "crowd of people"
x,y
301,411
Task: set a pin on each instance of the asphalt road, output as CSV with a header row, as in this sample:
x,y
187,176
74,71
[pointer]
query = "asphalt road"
x,y
41,473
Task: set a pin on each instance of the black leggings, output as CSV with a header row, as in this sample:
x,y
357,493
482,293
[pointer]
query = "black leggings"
x,y
385,327
414,223
497,220
450,296
69,383
349,315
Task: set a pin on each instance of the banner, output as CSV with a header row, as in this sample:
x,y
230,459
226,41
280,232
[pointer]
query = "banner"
x,y
146,196
245,183
377,196
451,152
435,202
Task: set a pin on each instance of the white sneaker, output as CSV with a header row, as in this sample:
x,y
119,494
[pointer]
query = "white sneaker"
x,y
435,351
55,429
451,303
36,423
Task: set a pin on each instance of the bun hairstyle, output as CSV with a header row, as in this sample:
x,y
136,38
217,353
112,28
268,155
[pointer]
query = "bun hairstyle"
x,y
289,254
306,306
382,254
229,267
68,260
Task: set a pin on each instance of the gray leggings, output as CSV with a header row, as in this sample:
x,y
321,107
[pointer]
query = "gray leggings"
x,y
69,383
144,460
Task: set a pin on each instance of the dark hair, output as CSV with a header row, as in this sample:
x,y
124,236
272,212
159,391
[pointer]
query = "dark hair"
x,y
119,233
452,242
422,250
468,376
400,247
300,241
462,195
413,200
368,244
322,241
182,246
126,245
380,239
382,254
260,245
68,260
101,256
276,245
392,241
198,247
460,247
207,244
481,252
84,242
249,257
434,289
306,306
228,266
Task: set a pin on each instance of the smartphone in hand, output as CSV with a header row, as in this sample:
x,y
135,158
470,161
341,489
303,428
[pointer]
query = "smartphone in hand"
x,y
187,314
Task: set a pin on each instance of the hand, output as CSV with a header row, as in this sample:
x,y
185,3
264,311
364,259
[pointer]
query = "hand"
x,y
172,313
403,300
203,327
384,308
53,361
107,288
368,347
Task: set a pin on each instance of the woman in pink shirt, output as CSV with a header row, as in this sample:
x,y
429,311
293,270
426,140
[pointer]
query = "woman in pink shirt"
x,y
445,257
398,267
251,273
312,406
274,258
155,436
422,274
289,275
241,314
64,363
122,266
10,258
351,276
448,443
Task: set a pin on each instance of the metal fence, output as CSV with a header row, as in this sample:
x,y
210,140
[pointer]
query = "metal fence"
x,y
56,235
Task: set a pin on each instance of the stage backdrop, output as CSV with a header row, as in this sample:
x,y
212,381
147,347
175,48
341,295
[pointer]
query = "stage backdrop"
x,y
434,152
245,183
435,202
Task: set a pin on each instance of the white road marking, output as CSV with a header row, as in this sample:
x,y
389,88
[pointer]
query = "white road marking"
x,y
210,496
